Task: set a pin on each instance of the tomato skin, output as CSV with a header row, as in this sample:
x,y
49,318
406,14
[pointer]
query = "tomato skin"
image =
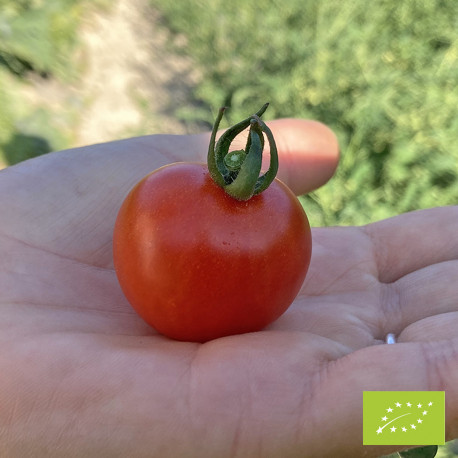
x,y
197,264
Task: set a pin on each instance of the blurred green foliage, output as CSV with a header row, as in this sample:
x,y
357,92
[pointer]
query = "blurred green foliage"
x,y
382,74
36,37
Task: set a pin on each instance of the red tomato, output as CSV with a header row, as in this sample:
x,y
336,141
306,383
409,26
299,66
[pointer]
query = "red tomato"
x,y
196,264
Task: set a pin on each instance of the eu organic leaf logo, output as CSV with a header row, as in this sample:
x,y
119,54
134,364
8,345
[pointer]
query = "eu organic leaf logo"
x,y
403,417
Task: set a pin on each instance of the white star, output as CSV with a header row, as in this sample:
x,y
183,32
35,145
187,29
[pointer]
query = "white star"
x,y
384,418
398,404
413,427
430,404
393,429
379,430
409,404
404,429
419,421
418,405
389,409
425,412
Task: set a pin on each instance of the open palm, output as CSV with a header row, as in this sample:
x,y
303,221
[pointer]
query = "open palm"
x,y
82,375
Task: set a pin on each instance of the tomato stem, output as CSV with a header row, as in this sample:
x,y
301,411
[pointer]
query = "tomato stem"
x,y
234,160
237,172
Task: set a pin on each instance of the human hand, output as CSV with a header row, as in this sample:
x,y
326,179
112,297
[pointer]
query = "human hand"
x,y
83,375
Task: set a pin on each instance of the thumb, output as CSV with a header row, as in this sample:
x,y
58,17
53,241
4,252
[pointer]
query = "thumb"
x,y
308,153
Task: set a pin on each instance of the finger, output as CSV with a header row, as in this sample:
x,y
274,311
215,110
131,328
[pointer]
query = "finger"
x,y
309,153
433,328
414,240
424,293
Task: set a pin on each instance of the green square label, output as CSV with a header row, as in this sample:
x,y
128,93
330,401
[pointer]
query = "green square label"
x,y
403,417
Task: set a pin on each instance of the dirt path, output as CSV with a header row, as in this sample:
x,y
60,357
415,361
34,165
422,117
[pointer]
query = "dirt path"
x,y
126,82
128,85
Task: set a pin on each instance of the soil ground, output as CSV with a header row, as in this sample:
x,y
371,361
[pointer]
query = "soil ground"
x,y
131,82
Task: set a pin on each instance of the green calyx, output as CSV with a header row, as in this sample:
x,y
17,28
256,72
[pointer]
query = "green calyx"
x,y
238,172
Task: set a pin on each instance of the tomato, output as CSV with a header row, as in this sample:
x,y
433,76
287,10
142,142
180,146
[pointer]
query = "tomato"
x,y
197,264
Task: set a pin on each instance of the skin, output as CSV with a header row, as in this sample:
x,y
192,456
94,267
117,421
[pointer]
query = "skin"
x,y
83,376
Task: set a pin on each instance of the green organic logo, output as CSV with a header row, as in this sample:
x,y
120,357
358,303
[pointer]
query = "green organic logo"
x,y
403,417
